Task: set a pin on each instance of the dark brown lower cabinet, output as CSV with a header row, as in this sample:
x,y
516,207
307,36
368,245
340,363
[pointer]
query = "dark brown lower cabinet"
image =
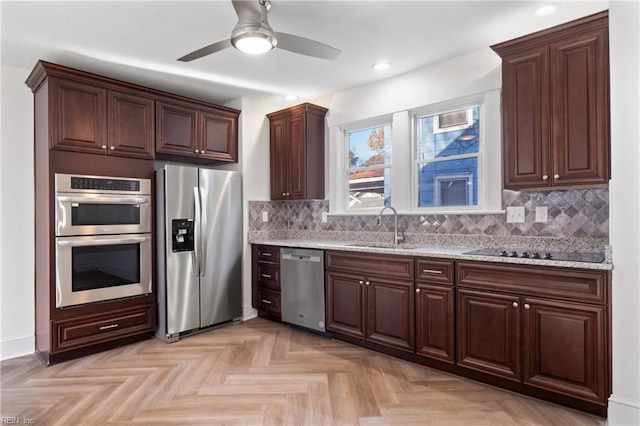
x,y
564,348
489,333
547,328
435,336
375,308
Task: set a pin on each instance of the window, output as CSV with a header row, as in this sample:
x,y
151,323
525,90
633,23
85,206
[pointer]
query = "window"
x,y
448,147
368,167
446,159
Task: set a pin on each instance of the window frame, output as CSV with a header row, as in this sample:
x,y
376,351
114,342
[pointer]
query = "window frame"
x,y
344,168
435,110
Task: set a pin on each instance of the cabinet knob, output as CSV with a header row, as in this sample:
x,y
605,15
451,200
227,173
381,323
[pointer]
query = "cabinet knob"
x,y
284,194
527,306
556,176
367,282
196,151
515,304
417,290
545,177
361,282
103,147
112,148
288,194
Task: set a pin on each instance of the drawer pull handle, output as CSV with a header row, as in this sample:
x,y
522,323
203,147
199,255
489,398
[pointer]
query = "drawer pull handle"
x,y
107,327
265,254
268,302
265,275
431,271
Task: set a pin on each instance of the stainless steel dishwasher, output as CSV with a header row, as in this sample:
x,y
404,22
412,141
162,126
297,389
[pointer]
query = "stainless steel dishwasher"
x,y
302,287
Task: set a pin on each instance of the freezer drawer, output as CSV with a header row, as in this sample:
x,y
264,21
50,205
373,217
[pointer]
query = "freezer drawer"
x,y
302,288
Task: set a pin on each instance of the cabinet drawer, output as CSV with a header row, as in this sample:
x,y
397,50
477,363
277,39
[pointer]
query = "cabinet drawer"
x,y
386,265
560,283
269,301
435,271
268,254
268,275
84,331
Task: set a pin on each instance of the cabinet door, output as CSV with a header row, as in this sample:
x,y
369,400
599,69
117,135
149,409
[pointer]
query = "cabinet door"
x,y
390,308
279,145
130,118
176,130
345,304
489,333
525,114
78,117
297,156
580,106
217,136
564,347
434,322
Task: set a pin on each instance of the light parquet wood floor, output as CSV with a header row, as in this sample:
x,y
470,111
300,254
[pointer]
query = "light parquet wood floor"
x,y
258,373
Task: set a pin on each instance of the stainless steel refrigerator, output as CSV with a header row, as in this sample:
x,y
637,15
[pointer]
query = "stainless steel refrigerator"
x,y
199,256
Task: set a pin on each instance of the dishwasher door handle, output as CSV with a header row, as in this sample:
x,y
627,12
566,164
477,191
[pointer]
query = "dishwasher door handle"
x,y
304,258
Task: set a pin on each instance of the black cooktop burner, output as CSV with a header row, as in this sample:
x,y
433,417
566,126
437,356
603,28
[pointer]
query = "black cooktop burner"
x,y
592,257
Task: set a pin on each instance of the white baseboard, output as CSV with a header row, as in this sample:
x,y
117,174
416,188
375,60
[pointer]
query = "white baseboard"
x,y
248,313
623,412
16,346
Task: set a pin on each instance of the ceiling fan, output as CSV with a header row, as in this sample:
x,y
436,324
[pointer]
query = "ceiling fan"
x,y
253,34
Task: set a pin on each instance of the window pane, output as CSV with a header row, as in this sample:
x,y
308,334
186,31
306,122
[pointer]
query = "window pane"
x,y
369,188
369,147
448,183
438,137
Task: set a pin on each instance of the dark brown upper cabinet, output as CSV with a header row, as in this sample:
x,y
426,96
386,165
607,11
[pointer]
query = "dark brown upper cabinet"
x,y
92,119
196,131
297,152
555,106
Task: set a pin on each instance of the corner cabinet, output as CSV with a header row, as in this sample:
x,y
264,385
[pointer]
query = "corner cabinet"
x,y
297,152
555,106
196,131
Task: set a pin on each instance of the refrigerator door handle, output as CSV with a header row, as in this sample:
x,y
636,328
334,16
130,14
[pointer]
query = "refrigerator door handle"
x,y
203,235
195,257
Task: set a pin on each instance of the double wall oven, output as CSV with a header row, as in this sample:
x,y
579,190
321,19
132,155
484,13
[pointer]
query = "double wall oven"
x,y
103,238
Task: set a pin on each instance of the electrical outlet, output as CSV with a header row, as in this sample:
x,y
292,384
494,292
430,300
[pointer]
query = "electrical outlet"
x,y
325,216
542,214
265,216
515,214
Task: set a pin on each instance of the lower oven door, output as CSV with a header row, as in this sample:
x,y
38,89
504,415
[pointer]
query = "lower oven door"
x,y
104,267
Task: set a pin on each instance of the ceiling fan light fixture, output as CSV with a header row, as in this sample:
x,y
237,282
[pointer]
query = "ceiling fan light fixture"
x,y
252,39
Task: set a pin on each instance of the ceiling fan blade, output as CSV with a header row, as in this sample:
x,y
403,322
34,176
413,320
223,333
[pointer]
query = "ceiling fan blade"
x,y
305,46
207,50
248,10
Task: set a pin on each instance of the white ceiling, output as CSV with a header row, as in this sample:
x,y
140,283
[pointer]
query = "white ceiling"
x,y
139,41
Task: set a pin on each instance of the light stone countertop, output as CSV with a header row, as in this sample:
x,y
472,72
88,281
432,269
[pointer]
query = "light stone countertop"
x,y
443,252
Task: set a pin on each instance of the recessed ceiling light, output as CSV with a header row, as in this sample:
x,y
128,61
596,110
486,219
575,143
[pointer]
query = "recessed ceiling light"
x,y
545,10
381,66
291,97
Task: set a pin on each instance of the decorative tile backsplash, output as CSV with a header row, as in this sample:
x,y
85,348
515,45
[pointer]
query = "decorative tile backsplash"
x,y
574,213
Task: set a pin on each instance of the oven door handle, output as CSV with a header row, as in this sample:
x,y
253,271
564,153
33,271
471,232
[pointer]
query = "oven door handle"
x,y
103,199
102,241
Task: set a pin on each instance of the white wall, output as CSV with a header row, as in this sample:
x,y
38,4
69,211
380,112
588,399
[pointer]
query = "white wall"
x,y
17,214
254,161
624,33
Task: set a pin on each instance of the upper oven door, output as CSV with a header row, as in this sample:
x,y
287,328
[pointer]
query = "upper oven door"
x,y
94,214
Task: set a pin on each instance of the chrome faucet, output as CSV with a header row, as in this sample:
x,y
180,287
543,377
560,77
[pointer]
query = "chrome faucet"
x,y
397,235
